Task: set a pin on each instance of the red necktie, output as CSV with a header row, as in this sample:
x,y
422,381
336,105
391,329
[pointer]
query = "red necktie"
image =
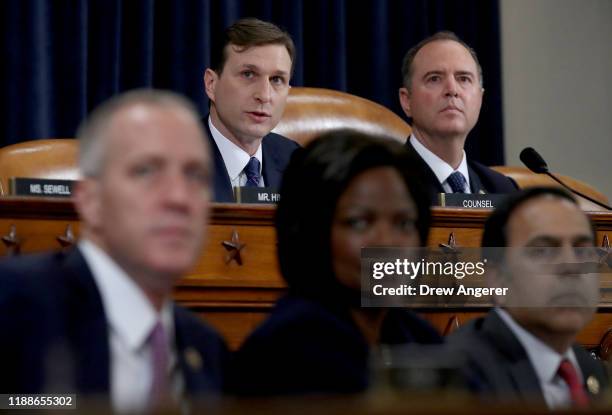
x,y
568,373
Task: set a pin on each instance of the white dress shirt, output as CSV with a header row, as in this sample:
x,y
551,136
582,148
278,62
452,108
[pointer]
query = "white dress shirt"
x,y
546,363
235,158
441,168
130,317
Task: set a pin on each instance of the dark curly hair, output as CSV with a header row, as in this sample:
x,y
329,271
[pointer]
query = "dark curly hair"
x,y
312,184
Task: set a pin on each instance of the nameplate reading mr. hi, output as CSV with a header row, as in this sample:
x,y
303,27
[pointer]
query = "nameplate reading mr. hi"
x,y
257,195
22,186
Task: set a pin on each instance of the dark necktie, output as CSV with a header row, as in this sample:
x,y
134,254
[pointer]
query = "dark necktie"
x,y
568,373
252,172
159,361
457,182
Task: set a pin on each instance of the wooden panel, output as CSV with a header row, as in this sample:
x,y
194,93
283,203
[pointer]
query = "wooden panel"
x,y
235,298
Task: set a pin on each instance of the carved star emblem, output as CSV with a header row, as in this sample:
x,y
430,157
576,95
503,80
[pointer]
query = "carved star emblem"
x,y
233,247
451,246
12,242
67,239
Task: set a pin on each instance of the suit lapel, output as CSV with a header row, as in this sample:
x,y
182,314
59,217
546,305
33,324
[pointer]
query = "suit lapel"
x,y
520,369
429,177
222,182
86,326
593,373
475,183
271,172
189,357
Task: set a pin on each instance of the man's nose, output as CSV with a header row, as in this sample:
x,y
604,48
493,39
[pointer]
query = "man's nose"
x,y
176,189
263,92
451,87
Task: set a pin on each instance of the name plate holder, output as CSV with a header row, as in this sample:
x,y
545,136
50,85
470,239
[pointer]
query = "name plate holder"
x,y
37,187
471,201
259,195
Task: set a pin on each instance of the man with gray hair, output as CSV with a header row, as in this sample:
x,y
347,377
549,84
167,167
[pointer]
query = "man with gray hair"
x,y
442,93
99,319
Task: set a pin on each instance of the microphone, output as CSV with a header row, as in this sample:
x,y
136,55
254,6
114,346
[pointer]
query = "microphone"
x,y
534,162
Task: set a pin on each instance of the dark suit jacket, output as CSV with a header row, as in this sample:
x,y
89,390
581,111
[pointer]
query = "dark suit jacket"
x,y
501,364
305,347
276,153
482,178
55,333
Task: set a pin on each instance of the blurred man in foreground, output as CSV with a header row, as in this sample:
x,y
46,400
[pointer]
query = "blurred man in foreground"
x,y
99,319
525,348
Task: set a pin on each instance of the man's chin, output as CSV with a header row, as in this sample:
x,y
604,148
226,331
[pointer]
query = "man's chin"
x,y
571,318
172,264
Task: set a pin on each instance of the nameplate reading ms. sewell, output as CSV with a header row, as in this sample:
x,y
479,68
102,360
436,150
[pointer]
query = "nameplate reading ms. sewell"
x,y
24,186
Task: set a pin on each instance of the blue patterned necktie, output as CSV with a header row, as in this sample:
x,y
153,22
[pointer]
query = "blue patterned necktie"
x,y
252,172
457,182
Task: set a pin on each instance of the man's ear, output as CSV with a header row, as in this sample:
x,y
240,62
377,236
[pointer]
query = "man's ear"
x,y
404,98
86,199
497,277
210,83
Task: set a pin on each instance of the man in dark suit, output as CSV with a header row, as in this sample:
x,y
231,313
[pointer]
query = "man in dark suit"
x,y
442,93
99,319
248,85
525,348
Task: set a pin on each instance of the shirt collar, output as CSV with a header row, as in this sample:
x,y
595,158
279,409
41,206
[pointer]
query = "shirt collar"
x,y
440,167
543,358
234,157
129,312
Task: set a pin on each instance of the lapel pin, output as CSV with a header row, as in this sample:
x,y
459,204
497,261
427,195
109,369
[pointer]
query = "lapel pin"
x,y
193,359
592,385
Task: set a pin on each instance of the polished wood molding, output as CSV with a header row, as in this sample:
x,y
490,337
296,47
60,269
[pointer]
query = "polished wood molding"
x,y
235,298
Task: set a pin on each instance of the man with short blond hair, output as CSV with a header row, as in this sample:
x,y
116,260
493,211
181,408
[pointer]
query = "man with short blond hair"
x,y
99,320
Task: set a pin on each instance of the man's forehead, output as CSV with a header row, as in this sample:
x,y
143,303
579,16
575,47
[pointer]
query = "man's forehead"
x,y
442,54
256,53
547,216
143,127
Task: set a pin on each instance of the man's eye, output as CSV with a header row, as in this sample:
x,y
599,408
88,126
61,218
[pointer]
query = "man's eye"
x,y
541,253
248,74
198,176
143,170
465,79
406,224
278,80
434,79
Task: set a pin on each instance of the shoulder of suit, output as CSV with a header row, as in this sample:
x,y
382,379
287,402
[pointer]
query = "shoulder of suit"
x,y
487,173
280,140
482,168
35,265
193,323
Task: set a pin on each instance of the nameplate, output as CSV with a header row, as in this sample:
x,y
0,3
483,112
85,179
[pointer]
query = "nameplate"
x,y
471,201
266,195
23,186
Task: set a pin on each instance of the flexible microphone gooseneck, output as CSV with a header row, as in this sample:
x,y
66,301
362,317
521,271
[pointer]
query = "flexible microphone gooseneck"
x,y
534,162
